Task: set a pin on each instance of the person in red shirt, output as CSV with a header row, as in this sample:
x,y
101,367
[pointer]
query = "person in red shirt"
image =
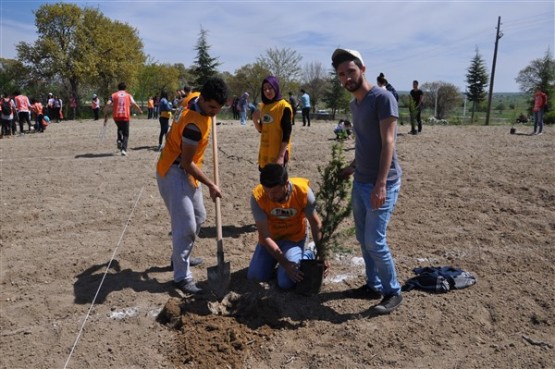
x,y
23,106
540,102
121,103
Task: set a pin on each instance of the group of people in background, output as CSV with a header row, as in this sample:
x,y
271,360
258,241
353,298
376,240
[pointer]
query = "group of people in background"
x,y
17,110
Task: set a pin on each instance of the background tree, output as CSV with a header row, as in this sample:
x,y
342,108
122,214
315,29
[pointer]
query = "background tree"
x,y
477,81
185,76
79,47
204,65
314,81
249,79
539,73
155,78
335,96
14,75
283,64
445,97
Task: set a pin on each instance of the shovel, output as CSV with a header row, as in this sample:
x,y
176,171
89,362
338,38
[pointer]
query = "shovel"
x,y
218,276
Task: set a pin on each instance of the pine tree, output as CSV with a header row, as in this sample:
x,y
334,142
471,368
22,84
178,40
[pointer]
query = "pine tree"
x,y
204,66
477,81
333,200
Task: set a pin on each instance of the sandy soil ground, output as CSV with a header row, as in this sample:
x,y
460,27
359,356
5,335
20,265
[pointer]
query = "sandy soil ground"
x,y
477,198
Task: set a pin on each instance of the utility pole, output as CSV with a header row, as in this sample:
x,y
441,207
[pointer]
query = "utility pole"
x,y
497,37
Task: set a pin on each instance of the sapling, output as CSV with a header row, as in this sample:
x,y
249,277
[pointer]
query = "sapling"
x,y
333,200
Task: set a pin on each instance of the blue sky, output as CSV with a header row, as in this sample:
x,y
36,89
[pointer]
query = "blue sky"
x,y
424,40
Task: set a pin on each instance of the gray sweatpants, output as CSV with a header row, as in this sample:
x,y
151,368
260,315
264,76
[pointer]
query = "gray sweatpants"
x,y
187,213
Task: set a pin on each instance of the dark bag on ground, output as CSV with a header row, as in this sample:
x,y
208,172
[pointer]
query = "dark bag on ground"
x,y
439,279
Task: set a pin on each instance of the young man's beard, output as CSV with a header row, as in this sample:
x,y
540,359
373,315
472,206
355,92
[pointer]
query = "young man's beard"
x,y
354,86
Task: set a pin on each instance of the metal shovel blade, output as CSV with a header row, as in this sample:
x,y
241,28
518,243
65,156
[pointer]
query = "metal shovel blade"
x,y
219,277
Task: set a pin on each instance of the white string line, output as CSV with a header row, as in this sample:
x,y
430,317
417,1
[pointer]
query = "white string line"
x,y
103,278
80,332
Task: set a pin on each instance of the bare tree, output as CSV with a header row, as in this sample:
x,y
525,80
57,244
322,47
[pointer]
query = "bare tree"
x,y
248,78
315,82
283,64
444,96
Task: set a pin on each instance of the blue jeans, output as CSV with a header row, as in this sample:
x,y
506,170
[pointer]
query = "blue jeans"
x,y
243,117
262,263
186,207
371,225
538,121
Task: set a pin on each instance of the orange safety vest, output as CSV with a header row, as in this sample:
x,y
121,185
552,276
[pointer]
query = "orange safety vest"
x,y
174,138
286,221
271,133
150,103
22,103
37,108
191,96
121,106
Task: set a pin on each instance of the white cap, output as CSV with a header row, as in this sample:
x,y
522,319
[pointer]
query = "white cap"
x,y
353,53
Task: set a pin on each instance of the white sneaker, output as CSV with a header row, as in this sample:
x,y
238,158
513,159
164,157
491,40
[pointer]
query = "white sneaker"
x,y
123,153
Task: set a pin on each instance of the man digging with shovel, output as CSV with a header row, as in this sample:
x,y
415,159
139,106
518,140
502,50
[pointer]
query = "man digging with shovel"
x,y
179,175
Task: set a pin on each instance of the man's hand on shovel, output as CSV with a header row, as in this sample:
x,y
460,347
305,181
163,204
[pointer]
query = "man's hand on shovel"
x,y
215,192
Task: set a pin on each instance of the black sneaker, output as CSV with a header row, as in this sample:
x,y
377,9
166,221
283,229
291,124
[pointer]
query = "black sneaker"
x,y
189,288
388,304
363,292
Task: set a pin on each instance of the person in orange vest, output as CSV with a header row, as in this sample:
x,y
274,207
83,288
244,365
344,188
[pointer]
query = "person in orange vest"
x,y
281,206
23,106
36,107
121,103
179,176
150,107
273,119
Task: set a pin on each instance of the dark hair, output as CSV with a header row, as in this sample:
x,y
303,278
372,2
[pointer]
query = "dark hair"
x,y
122,86
303,91
343,57
215,89
164,94
415,81
187,88
381,79
273,175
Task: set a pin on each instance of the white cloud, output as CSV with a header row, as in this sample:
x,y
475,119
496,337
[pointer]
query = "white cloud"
x,y
424,40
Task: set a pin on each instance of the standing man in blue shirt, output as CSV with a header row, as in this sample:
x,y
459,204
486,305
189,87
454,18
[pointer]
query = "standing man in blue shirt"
x,y
305,107
377,178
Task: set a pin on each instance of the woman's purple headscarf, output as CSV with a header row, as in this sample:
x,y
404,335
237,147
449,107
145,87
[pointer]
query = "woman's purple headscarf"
x,y
273,81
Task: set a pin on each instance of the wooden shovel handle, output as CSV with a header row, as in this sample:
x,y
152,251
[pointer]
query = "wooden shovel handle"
x,y
219,236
